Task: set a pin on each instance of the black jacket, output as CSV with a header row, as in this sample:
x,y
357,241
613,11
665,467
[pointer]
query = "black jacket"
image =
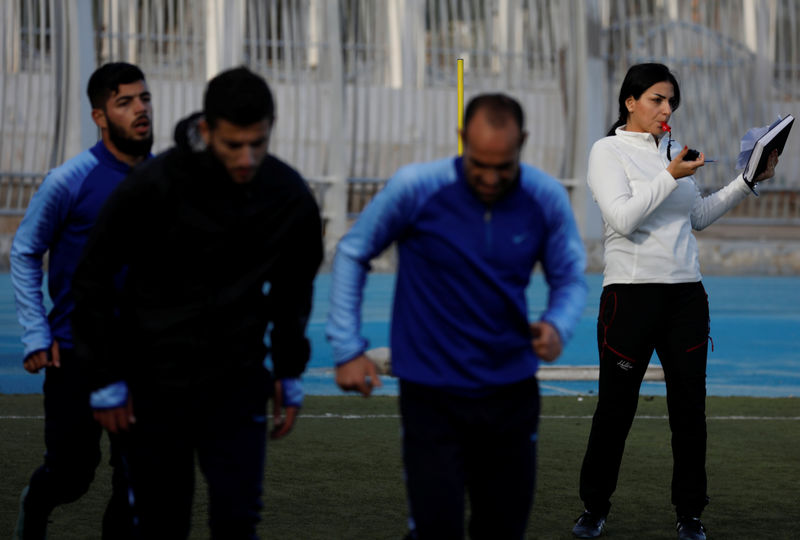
x,y
208,264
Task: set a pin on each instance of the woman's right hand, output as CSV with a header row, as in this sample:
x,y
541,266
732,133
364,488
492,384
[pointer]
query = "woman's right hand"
x,y
679,168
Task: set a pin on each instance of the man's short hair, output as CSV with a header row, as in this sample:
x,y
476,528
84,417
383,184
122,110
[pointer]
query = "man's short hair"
x,y
238,96
499,107
106,79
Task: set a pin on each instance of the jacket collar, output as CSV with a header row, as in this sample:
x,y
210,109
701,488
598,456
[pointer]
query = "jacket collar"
x,y
638,139
458,162
107,158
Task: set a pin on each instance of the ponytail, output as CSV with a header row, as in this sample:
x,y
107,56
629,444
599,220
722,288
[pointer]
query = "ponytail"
x,y
619,123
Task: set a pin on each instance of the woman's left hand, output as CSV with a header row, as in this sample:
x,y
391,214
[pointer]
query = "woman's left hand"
x,y
769,172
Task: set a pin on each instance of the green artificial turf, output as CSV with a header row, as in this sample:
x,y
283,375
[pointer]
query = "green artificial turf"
x,y
339,475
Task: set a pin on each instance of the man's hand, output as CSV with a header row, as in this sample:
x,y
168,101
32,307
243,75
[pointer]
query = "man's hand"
x,y
359,374
546,341
44,358
117,419
281,424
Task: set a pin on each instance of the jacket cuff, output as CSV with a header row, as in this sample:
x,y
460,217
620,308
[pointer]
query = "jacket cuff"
x,y
292,392
41,342
28,353
749,187
113,396
350,357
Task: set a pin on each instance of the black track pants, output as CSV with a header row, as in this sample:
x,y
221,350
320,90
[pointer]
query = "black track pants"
x,y
72,438
484,446
635,320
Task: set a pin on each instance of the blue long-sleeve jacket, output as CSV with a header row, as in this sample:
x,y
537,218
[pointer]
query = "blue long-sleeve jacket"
x,y
58,219
460,316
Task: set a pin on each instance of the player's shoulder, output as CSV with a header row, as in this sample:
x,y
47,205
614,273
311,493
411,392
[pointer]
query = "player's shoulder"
x,y
609,141
424,177
152,171
64,181
277,175
610,145
280,175
425,170
72,171
539,184
415,184
275,167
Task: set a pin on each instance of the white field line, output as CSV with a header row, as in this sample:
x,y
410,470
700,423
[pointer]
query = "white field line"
x,y
550,417
338,416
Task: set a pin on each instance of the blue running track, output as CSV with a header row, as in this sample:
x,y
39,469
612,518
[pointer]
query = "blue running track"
x,y
755,326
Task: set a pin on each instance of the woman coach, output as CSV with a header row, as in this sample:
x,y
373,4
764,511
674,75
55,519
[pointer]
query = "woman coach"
x,y
653,297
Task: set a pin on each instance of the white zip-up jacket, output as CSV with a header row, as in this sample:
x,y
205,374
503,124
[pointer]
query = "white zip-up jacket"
x,y
648,215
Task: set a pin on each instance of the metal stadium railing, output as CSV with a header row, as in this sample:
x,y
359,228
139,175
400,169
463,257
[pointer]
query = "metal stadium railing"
x,y
365,86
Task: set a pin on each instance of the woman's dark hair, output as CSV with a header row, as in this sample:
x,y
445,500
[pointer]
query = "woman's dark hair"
x,y
639,78
238,96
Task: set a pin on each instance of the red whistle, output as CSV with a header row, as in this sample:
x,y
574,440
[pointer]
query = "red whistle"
x,y
665,127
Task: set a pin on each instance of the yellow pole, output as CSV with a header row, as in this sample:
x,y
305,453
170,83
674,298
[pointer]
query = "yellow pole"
x,y
460,64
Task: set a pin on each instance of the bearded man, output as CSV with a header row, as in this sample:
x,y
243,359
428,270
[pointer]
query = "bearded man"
x,y
57,222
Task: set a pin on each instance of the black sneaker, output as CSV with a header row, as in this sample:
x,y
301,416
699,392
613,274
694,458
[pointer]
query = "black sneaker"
x,y
690,528
589,525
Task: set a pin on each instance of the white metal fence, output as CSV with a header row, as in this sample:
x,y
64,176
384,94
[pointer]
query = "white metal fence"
x,y
364,86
